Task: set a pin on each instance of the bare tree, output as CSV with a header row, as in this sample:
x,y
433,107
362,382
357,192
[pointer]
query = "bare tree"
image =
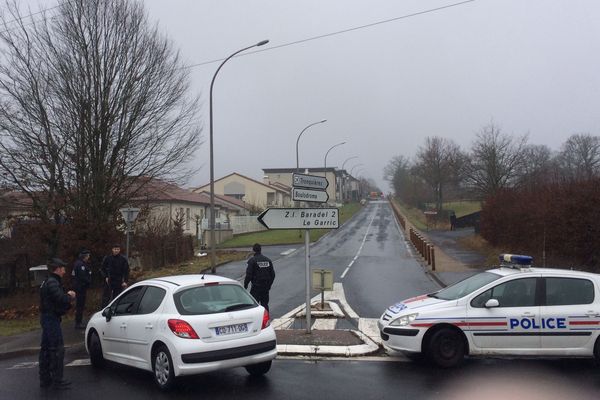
x,y
495,161
538,168
579,158
92,98
438,163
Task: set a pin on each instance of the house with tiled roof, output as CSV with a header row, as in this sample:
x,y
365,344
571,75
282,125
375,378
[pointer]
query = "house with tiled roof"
x,y
258,195
169,202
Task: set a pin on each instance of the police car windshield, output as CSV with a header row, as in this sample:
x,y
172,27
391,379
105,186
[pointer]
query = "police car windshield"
x,y
466,286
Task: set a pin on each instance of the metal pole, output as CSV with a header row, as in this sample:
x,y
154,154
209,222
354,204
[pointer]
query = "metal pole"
x,y
307,259
127,240
298,139
306,238
213,259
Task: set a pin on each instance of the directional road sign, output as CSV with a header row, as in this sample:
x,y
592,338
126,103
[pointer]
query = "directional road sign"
x,y
310,181
317,196
300,218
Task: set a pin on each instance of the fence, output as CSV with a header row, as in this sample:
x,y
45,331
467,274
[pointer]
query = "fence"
x,y
238,224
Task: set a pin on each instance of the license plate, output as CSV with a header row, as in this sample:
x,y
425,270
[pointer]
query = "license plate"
x,y
231,329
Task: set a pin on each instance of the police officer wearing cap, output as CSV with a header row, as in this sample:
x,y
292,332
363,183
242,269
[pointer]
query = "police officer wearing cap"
x,y
261,274
54,303
115,269
82,279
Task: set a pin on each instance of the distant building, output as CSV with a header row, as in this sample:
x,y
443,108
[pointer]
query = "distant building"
x,y
258,195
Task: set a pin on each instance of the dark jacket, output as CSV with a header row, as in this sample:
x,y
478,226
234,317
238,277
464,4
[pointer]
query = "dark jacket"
x,y
116,269
82,274
53,299
259,272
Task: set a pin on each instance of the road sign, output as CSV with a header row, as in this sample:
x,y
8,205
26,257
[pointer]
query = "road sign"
x,y
317,196
310,181
129,214
300,218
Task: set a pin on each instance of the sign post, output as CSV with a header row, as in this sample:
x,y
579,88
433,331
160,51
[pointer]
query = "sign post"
x,y
129,215
309,188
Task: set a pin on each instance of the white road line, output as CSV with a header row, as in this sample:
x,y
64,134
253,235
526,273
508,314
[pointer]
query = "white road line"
x,y
82,362
287,252
360,248
25,365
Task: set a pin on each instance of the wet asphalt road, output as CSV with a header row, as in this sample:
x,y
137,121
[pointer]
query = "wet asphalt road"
x,y
368,255
491,379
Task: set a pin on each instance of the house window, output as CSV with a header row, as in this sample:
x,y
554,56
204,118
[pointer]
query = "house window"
x,y
271,198
187,219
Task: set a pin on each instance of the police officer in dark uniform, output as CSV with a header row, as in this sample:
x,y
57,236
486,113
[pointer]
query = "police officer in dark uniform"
x,y
54,303
261,274
82,279
115,269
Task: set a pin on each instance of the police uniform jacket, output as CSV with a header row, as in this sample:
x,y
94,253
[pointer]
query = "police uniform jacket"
x,y
82,274
260,272
53,299
116,268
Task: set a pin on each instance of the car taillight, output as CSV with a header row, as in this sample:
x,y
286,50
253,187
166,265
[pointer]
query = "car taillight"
x,y
182,329
265,321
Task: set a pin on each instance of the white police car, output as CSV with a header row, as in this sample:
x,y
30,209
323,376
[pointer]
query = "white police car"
x,y
183,325
514,310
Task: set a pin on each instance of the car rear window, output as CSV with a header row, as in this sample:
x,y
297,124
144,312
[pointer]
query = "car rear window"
x,y
213,299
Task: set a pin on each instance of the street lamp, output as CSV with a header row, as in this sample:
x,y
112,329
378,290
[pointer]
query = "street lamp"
x,y
343,174
297,140
352,169
213,260
325,169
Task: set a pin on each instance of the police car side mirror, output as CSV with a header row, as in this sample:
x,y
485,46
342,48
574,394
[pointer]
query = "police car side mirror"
x,y
491,303
106,313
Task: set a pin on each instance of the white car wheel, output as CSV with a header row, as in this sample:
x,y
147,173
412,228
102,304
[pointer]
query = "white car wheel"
x,y
162,366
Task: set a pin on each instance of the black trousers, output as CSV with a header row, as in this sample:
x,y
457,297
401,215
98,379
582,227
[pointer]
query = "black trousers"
x,y
81,294
52,349
261,295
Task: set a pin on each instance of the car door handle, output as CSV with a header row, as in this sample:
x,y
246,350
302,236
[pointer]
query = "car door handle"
x,y
527,315
149,326
123,326
592,313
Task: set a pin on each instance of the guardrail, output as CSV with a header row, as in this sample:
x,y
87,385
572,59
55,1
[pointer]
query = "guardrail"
x,y
420,243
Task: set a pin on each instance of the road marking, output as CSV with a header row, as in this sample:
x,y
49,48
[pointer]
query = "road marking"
x,y
360,248
369,327
82,362
287,252
25,365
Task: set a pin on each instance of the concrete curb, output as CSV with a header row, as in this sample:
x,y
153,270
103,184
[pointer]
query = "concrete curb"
x,y
25,351
369,347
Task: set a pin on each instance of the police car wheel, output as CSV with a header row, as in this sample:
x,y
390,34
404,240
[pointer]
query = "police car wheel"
x,y
96,356
597,350
446,348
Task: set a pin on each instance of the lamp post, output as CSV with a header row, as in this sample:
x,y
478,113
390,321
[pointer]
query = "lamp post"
x,y
352,169
343,172
298,139
213,260
325,169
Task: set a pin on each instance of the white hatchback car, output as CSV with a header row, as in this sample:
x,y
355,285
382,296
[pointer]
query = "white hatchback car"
x,y
183,325
512,310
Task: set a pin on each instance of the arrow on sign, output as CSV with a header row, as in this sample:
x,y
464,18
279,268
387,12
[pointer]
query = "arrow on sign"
x,y
300,218
317,196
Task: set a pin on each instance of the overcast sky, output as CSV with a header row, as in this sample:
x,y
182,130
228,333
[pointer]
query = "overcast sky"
x,y
531,66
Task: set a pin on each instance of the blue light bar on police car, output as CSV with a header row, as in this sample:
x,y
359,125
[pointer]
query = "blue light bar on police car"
x,y
516,259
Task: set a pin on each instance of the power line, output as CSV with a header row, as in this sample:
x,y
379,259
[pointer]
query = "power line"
x,y
20,19
337,32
